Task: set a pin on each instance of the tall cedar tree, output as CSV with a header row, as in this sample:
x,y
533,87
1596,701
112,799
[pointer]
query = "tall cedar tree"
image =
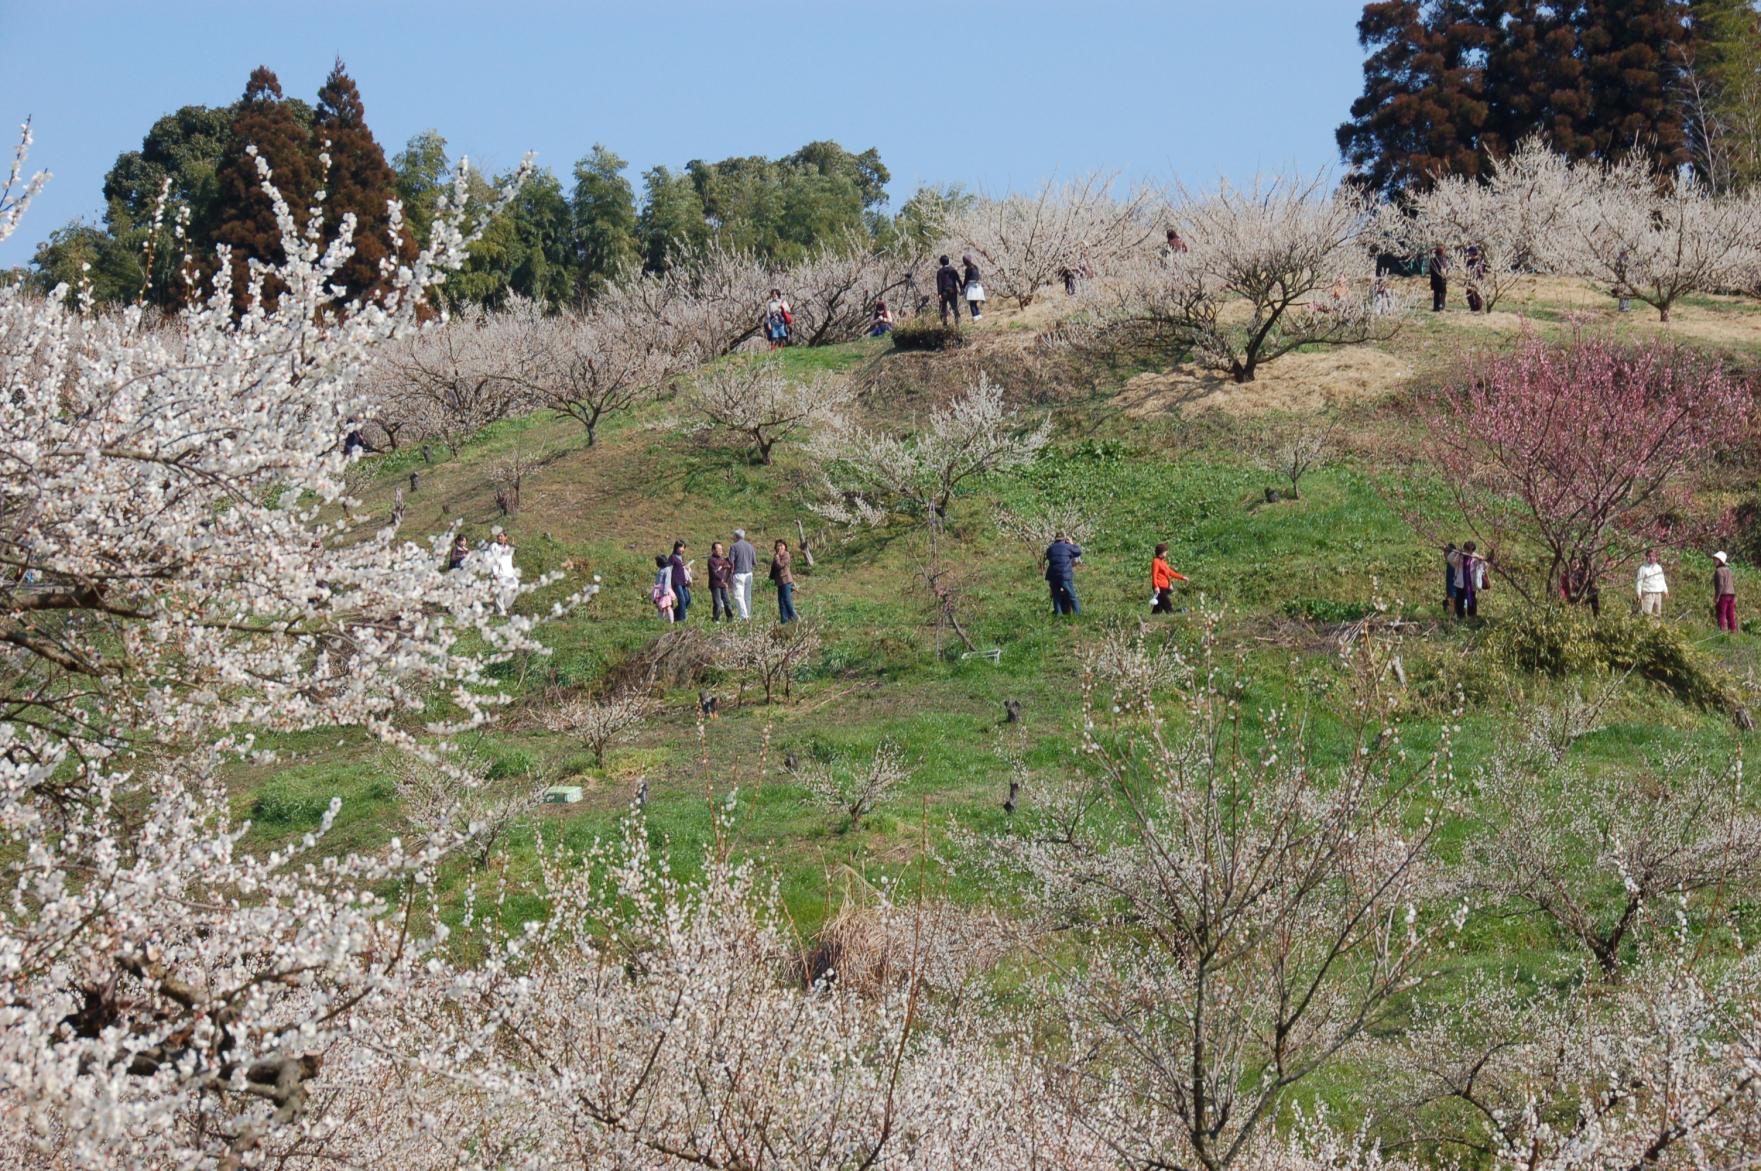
x,y
1423,106
1633,51
1535,81
360,181
244,217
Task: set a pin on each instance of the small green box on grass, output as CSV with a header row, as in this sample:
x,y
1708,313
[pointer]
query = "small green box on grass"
x,y
562,794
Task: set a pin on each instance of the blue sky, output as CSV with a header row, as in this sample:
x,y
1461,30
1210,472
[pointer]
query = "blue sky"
x,y
987,93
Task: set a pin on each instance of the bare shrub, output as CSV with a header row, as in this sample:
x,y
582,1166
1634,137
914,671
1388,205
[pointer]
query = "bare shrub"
x,y
870,474
766,656
1597,852
1291,446
455,796
600,723
855,788
756,402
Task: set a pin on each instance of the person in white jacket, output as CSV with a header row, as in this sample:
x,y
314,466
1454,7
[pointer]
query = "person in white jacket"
x,y
1651,585
503,574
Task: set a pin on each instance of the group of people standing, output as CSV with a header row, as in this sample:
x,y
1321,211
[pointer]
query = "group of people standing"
x,y
731,571
1465,579
1653,588
954,284
1440,267
497,554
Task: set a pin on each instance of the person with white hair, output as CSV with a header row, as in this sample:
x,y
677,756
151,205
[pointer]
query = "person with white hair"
x,y
1724,594
745,561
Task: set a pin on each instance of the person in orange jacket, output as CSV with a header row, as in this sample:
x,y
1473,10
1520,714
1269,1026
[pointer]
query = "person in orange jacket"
x,y
1162,579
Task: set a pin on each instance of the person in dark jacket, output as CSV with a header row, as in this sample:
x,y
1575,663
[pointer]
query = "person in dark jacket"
x,y
461,549
972,284
681,581
948,287
721,581
1062,558
1439,278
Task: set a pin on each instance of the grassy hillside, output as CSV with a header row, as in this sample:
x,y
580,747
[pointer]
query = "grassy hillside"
x,y
1151,456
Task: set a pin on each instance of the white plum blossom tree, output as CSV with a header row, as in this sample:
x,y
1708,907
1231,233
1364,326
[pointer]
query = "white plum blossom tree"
x,y
759,404
1658,240
1267,269
871,474
1024,243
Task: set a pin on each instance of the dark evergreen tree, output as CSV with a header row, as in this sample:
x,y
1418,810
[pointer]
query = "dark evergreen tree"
x,y
1535,81
604,209
359,181
244,216
1423,108
1633,53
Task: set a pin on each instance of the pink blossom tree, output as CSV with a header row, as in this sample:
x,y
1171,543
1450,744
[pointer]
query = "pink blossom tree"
x,y
1583,452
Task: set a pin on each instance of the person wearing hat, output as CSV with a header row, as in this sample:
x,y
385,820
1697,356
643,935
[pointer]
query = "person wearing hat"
x,y
745,560
1724,594
1652,586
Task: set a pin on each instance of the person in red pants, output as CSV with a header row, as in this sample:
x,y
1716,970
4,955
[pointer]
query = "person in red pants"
x,y
1724,594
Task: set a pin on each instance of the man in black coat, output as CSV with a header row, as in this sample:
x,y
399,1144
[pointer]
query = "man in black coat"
x,y
948,289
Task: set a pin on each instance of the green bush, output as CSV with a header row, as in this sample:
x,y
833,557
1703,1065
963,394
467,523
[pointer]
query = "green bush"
x,y
1561,640
925,332
282,807
1325,611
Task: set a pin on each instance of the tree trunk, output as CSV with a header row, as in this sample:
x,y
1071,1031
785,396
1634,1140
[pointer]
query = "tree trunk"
x,y
1663,311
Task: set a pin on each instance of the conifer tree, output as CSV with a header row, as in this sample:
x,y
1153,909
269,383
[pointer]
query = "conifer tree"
x,y
1633,51
359,181
1535,80
244,216
1423,107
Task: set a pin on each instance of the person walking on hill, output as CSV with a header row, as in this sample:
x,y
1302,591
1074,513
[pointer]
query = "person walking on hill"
x,y
721,581
661,592
784,579
1439,278
779,320
1724,594
1470,580
948,291
1651,586
1162,579
681,579
973,282
1451,565
745,560
1062,558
